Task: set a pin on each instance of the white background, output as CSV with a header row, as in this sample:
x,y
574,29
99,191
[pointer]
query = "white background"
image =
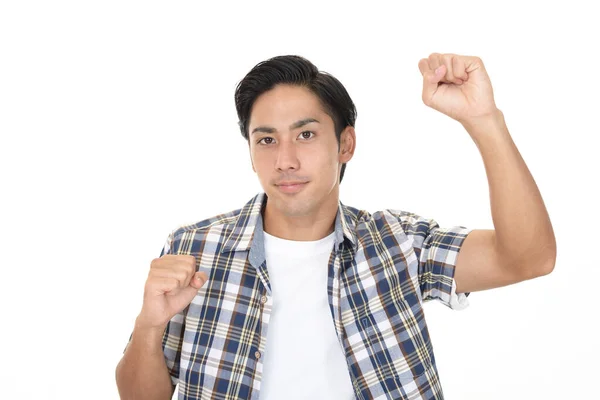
x,y
118,124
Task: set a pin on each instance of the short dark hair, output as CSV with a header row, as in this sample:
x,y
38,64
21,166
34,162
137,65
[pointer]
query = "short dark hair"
x,y
298,71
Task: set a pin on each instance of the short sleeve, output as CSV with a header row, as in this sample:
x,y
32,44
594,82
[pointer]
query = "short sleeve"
x,y
437,250
173,335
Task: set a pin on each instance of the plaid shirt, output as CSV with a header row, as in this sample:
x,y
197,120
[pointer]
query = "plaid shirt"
x,y
382,268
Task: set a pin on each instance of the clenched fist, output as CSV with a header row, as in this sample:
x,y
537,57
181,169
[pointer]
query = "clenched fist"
x,y
171,286
457,86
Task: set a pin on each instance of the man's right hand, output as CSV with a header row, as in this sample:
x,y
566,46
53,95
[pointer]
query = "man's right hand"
x,y
172,284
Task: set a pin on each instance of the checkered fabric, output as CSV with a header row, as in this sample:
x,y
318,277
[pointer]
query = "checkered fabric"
x,y
382,268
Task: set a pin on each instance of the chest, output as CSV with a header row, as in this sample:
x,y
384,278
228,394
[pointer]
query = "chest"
x,y
373,300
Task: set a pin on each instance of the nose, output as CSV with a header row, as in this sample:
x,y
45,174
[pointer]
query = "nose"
x,y
287,157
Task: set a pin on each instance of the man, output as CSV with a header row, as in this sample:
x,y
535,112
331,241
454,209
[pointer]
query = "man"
x,y
338,290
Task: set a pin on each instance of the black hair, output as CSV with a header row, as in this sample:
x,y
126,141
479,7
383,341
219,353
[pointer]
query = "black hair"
x,y
298,71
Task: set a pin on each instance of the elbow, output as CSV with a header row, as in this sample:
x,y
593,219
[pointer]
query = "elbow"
x,y
548,266
544,261
549,261
545,264
543,269
537,263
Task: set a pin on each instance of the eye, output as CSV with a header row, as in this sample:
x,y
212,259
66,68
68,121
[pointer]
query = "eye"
x,y
303,134
265,138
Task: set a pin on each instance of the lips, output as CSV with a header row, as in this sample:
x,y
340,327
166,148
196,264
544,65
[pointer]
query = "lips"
x,y
291,187
290,183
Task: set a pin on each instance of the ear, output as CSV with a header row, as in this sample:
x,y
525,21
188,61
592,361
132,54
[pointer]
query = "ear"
x,y
347,144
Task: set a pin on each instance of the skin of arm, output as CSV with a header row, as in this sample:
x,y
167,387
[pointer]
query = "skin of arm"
x,y
522,244
172,284
142,372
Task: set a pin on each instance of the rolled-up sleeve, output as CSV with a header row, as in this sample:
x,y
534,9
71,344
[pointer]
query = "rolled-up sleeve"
x,y
437,251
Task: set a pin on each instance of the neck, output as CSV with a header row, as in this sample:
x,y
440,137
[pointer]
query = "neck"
x,y
310,227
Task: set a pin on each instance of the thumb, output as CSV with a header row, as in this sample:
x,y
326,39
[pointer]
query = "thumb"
x,y
431,79
186,295
198,280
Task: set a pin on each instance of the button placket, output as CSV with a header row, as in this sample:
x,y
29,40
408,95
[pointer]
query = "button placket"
x,y
263,300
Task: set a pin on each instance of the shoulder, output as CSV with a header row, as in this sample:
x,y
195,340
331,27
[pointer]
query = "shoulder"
x,y
406,218
395,220
218,225
410,222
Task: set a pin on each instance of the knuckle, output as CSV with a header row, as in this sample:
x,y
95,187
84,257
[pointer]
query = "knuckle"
x,y
152,276
170,284
176,283
150,284
181,276
191,264
186,260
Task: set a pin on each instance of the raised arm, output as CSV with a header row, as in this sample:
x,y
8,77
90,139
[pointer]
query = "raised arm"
x,y
522,244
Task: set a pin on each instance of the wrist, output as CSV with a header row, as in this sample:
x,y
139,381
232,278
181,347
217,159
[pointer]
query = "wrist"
x,y
486,127
147,338
491,120
148,329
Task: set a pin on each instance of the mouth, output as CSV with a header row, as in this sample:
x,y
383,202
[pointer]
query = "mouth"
x,y
291,187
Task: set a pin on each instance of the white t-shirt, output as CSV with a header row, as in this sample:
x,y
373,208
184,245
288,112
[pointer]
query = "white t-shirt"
x,y
303,358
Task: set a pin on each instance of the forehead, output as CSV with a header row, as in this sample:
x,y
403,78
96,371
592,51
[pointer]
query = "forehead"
x,y
285,104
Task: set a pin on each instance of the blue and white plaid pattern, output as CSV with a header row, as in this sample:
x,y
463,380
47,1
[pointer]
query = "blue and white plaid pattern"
x,y
382,268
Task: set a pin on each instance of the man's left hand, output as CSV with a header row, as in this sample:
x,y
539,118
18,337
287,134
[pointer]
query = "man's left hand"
x,y
457,86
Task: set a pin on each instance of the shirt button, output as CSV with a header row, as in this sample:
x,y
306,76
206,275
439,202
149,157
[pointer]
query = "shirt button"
x,y
257,354
263,299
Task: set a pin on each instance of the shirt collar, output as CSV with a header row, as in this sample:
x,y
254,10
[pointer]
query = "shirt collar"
x,y
247,233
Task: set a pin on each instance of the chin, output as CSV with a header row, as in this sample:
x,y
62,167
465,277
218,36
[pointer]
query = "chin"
x,y
297,205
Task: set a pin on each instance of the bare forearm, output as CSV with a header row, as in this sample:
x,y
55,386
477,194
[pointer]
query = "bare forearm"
x,y
142,372
524,232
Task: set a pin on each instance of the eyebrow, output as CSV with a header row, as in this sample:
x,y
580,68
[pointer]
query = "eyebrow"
x,y
295,125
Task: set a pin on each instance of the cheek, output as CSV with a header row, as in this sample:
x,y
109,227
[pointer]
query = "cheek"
x,y
263,166
322,164
328,159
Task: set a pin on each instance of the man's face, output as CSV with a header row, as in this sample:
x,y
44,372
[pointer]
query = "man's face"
x,y
292,140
